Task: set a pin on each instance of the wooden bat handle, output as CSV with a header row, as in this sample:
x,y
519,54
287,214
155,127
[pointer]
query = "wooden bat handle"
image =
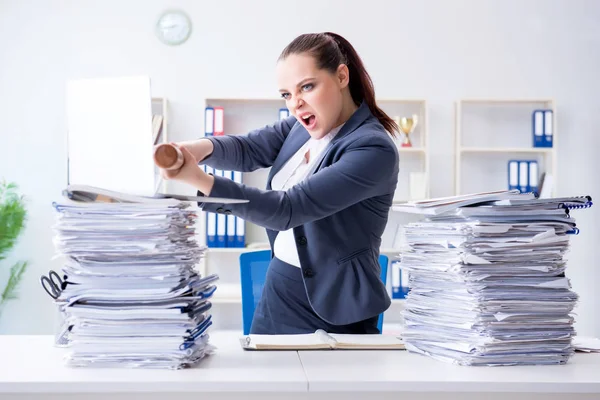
x,y
167,156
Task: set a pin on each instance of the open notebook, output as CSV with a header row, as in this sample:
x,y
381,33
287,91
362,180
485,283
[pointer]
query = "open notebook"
x,y
321,340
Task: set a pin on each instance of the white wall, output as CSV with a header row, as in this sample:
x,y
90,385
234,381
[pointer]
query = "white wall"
x,y
438,50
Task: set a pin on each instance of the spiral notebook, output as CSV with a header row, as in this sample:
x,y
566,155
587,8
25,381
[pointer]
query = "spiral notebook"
x,y
321,340
570,202
486,201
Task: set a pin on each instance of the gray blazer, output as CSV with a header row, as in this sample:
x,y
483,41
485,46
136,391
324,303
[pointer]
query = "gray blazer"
x,y
338,214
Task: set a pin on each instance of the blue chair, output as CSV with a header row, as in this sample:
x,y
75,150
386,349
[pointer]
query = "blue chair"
x,y
253,271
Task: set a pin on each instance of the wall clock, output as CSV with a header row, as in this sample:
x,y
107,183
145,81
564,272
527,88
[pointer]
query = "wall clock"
x,y
173,27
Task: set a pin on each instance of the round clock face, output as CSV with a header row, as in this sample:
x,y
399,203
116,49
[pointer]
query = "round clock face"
x,y
173,27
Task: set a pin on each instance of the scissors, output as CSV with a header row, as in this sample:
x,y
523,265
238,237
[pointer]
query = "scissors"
x,y
52,284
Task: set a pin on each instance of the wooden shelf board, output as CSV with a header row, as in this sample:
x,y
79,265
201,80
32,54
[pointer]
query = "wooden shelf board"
x,y
400,100
506,150
234,250
505,101
411,150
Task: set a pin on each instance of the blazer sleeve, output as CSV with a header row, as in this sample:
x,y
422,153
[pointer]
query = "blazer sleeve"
x,y
251,151
367,168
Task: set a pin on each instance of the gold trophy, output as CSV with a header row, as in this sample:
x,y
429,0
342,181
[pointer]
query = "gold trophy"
x,y
407,125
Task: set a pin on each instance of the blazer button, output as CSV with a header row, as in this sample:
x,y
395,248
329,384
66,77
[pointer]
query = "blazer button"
x,y
308,272
227,212
301,241
220,210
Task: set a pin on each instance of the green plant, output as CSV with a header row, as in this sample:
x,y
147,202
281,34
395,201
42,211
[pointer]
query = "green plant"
x,y
12,221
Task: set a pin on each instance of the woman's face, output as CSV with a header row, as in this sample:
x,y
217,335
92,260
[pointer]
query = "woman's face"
x,y
312,95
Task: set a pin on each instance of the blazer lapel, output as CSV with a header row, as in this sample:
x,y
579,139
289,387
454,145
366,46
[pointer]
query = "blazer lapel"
x,y
293,143
359,116
300,136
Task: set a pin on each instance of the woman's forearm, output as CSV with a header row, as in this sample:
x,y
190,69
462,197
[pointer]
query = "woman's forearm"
x,y
202,181
200,148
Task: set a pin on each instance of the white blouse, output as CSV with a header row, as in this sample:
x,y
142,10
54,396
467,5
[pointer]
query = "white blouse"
x,y
295,170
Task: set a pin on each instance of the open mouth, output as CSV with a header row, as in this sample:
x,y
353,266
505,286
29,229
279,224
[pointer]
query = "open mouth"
x,y
309,121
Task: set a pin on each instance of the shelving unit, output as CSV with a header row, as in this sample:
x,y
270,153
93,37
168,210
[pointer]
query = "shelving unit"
x,y
413,159
242,115
489,133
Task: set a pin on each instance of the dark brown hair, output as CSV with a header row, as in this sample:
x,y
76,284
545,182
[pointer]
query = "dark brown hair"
x,y
330,50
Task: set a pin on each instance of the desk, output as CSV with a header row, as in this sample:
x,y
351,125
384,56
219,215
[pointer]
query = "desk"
x,y
402,375
31,368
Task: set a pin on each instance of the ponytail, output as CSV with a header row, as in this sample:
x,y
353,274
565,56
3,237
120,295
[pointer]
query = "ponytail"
x,y
330,50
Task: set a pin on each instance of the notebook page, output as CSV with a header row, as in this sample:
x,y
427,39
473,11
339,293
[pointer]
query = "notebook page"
x,y
283,342
347,341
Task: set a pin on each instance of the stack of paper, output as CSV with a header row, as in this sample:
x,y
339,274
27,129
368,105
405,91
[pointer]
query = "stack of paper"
x,y
132,298
487,280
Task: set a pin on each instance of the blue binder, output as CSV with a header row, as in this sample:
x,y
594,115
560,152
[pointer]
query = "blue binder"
x,y
221,221
211,220
513,174
209,121
230,231
523,176
537,128
542,127
548,128
240,224
533,179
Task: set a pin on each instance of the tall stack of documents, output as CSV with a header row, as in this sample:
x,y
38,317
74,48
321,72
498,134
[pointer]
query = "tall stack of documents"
x,y
132,297
487,279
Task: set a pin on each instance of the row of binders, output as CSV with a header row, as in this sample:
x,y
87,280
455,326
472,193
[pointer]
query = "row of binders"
x,y
523,175
225,230
128,293
214,120
487,282
542,127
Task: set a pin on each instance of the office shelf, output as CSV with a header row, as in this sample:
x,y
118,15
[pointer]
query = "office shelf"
x,y
489,133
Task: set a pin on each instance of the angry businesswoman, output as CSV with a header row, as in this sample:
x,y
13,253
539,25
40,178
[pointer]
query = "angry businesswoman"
x,y
334,170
